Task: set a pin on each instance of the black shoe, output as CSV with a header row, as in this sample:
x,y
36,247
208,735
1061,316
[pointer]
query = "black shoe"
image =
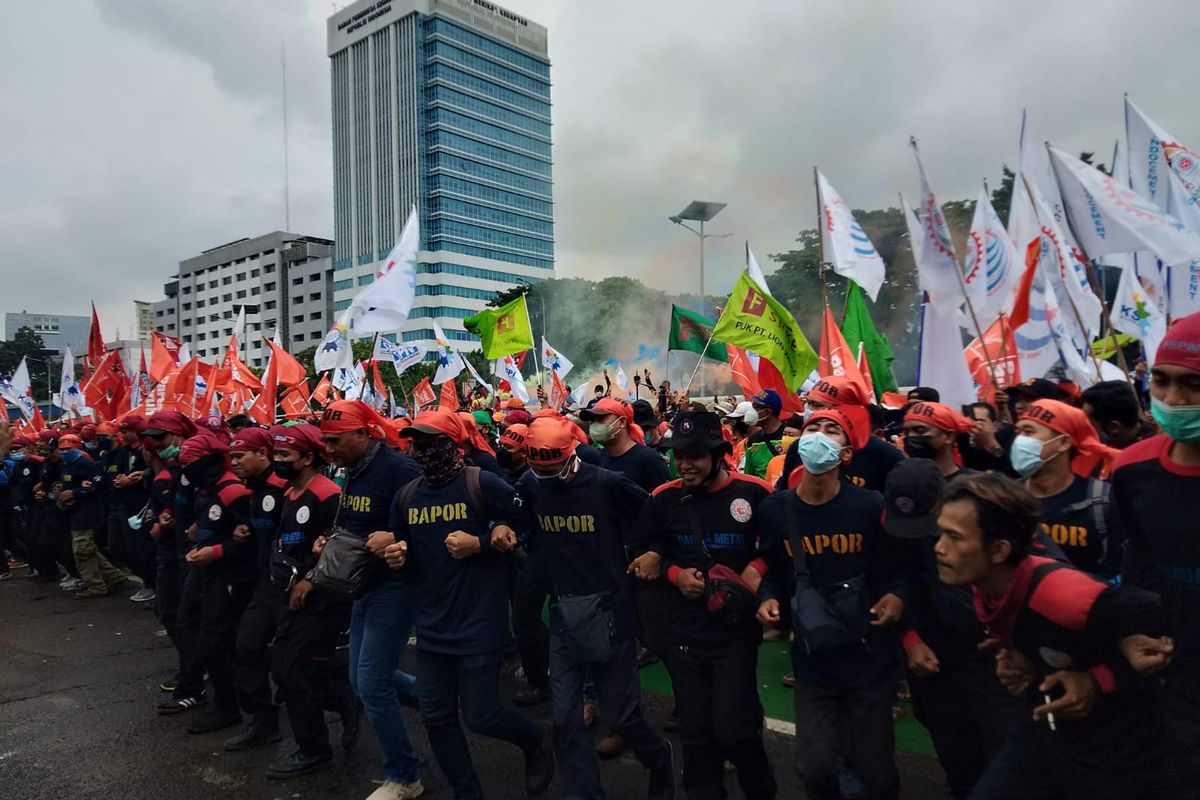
x,y
263,728
215,719
295,763
170,684
671,725
540,764
531,695
645,656
662,777
352,725
177,705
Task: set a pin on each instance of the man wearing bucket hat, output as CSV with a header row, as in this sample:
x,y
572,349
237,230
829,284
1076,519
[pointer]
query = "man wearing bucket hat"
x,y
829,561
580,518
702,531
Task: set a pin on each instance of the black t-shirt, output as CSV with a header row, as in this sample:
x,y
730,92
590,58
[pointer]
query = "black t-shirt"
x,y
842,539
641,464
582,528
461,604
1079,520
370,487
266,510
728,519
588,454
868,468
306,515
485,461
219,511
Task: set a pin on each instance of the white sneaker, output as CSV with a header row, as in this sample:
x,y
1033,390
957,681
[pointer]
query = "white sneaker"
x,y
143,595
391,790
71,585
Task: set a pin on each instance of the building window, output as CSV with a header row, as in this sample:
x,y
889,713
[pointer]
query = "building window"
x,y
186,307
225,298
200,337
342,305
229,331
269,287
241,294
269,305
313,317
316,276
268,252
170,326
340,285
200,303
254,273
212,284
269,268
254,291
315,297
187,290
298,281
363,280
226,280
241,276
298,299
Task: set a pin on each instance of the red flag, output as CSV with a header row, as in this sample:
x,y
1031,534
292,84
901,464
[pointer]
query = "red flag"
x,y
423,394
449,398
164,356
108,386
380,389
864,369
263,410
558,392
324,394
519,358
289,371
96,348
744,374
294,404
769,377
1001,348
235,374
1020,312
834,354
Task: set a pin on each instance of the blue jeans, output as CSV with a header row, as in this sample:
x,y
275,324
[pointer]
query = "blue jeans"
x,y
380,624
474,680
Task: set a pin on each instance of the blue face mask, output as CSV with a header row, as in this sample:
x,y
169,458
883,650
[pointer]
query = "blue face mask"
x,y
1026,454
71,456
1179,423
819,453
16,456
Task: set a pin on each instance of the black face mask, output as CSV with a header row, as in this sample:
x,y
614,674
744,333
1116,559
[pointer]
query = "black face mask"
x,y
440,459
504,458
288,470
918,446
205,472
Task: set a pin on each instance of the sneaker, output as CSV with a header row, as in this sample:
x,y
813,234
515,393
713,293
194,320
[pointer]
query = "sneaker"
x,y
672,724
645,656
89,594
177,705
531,696
789,680
6,575
294,764
394,790
70,584
17,563
610,746
215,719
352,725
540,764
170,684
143,595
662,777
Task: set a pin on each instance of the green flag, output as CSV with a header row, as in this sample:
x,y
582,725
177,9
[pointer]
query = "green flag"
x,y
753,320
504,330
858,328
690,331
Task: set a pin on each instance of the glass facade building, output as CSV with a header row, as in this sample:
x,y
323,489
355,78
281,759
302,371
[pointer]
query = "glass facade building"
x,y
445,105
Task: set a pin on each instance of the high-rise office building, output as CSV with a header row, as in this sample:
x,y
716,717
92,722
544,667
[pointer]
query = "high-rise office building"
x,y
442,104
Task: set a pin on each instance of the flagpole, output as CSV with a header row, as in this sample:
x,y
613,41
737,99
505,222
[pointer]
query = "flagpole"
x,y
820,243
699,362
535,345
1090,270
363,386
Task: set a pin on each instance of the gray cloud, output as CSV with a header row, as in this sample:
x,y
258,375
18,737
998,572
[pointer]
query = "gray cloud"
x,y
152,130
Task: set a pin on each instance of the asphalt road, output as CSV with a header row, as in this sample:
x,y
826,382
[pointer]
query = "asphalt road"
x,y
78,688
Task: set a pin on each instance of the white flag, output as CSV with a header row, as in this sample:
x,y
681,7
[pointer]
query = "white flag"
x,y
1111,218
239,329
402,356
185,354
487,387
579,397
19,391
942,362
554,361
384,305
847,247
1134,313
991,264
334,351
622,380
69,397
1066,272
933,251
930,278
755,271
450,363
345,380
506,368
1078,368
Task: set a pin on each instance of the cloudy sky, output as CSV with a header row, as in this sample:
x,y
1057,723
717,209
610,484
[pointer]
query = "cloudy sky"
x,y
138,132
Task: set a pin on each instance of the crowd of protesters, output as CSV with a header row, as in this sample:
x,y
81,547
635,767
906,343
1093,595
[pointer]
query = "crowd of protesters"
x,y
1027,570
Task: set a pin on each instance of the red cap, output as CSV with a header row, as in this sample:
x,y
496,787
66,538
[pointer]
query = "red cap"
x,y
88,432
518,417
24,440
69,442
940,416
439,421
204,443
1074,424
343,416
106,428
855,421
252,439
1181,346
161,422
514,403
550,441
133,422
616,407
838,390
301,438
47,436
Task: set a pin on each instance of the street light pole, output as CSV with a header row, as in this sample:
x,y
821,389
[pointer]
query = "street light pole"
x,y
700,211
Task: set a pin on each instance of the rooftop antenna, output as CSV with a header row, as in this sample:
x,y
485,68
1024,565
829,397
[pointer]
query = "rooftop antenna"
x,y
287,204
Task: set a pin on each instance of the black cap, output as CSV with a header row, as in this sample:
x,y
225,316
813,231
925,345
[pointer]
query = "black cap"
x,y
644,416
910,499
1036,389
695,432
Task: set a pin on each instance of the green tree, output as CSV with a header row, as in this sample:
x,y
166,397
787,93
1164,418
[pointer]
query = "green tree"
x,y
28,343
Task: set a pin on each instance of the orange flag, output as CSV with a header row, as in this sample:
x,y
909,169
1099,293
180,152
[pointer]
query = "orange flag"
x,y
744,374
835,357
558,392
96,349
108,387
324,394
164,356
422,393
289,371
449,398
263,410
1020,311
864,369
294,403
769,377
1001,348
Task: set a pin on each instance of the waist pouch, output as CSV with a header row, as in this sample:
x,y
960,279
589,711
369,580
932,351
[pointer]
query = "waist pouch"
x,y
283,571
829,617
729,597
345,566
586,625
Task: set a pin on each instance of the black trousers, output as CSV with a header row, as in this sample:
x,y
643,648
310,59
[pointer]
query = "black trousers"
x,y
721,718
53,535
529,596
830,716
38,556
223,601
968,714
130,548
188,612
1182,711
168,586
252,651
304,662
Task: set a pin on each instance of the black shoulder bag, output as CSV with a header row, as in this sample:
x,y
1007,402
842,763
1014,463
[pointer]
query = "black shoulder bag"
x,y
585,623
